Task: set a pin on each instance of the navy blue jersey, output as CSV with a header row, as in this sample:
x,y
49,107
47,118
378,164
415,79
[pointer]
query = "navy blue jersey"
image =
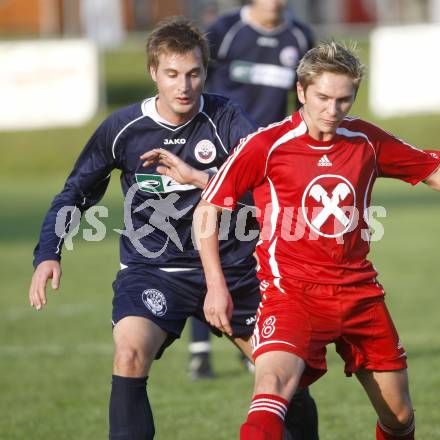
x,y
158,210
255,67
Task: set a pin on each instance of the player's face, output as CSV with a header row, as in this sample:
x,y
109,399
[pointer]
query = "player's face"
x,y
271,10
179,79
325,103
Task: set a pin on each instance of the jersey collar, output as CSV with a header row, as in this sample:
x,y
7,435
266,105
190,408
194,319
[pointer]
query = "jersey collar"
x,y
245,18
149,109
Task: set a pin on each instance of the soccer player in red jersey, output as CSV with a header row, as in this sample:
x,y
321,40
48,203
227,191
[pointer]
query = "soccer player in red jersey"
x,y
312,175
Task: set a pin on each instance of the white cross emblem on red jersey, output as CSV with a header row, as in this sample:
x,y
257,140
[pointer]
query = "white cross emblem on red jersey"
x,y
323,202
340,192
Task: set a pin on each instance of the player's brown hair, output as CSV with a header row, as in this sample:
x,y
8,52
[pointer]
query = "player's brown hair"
x,y
176,35
329,56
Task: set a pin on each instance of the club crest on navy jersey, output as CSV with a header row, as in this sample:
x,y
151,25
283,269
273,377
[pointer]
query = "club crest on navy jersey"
x,y
328,205
205,151
289,56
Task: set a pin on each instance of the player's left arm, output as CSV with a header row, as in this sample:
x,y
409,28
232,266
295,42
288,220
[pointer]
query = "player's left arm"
x,y
172,166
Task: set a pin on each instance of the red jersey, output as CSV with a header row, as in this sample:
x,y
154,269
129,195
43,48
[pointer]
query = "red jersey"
x,y
312,197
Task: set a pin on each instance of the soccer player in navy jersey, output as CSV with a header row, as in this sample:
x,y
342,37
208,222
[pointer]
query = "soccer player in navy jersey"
x,y
312,176
165,148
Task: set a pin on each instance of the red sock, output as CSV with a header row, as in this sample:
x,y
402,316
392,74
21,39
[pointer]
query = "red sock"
x,y
265,419
385,433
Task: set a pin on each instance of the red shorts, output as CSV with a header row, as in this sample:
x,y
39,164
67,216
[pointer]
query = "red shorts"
x,y
306,317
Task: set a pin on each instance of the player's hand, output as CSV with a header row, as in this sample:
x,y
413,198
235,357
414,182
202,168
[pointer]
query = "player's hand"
x,y
46,270
171,166
218,309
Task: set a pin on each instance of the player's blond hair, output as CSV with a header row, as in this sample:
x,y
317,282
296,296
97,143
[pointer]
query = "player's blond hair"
x,y
176,35
329,56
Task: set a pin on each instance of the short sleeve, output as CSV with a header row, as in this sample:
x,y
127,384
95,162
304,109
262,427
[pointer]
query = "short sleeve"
x,y
400,160
239,125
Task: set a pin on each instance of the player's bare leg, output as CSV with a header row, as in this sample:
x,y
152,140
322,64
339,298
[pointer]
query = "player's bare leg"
x,y
301,422
389,393
137,341
277,376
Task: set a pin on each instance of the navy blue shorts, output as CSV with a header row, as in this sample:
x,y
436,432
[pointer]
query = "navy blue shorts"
x,y
169,297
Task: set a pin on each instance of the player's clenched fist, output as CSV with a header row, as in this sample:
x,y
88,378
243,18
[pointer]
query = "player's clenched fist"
x,y
46,270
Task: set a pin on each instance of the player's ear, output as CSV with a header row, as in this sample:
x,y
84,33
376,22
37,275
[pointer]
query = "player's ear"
x,y
153,73
300,93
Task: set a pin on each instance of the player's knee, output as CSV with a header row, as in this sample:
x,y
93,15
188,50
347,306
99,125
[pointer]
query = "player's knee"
x,y
399,420
271,383
130,362
405,417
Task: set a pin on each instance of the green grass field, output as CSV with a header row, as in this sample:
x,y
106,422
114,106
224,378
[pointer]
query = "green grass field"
x,y
55,365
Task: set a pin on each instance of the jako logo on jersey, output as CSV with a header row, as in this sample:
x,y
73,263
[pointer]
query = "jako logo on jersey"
x,y
268,327
174,141
250,320
155,301
328,205
324,162
205,151
267,42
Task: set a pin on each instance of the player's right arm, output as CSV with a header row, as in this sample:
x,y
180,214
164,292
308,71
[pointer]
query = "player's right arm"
x,y
218,302
84,187
241,172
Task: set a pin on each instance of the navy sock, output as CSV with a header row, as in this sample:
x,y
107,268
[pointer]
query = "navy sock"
x,y
129,411
200,331
301,420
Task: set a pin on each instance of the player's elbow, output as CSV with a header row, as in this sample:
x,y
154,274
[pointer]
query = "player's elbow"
x,y
205,221
433,181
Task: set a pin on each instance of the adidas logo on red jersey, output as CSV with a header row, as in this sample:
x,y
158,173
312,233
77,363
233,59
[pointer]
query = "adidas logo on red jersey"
x,y
324,162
